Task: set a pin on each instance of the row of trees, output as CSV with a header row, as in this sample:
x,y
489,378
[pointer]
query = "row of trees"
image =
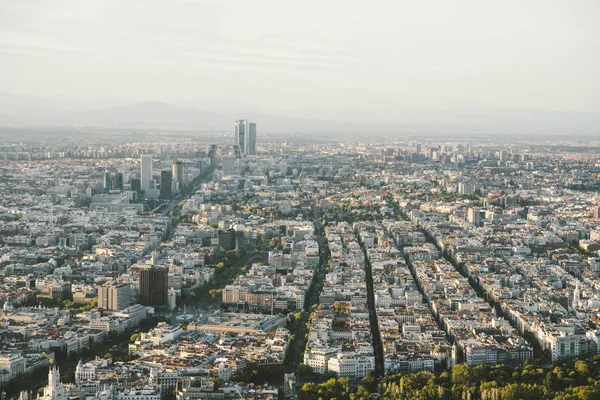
x,y
331,389
573,380
73,306
328,386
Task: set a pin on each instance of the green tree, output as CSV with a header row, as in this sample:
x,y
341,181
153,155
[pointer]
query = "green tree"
x,y
581,367
461,374
361,394
370,381
304,372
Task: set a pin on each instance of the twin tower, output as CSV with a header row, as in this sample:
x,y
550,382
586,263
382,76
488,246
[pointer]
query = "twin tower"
x,y
245,137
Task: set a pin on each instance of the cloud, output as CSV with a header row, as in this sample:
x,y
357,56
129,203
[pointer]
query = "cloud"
x,y
306,61
44,47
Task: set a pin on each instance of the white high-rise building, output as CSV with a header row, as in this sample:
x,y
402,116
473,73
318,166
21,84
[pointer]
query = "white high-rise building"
x,y
146,171
114,296
241,128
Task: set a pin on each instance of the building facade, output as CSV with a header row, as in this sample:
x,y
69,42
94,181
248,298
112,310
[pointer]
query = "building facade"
x,y
153,286
114,296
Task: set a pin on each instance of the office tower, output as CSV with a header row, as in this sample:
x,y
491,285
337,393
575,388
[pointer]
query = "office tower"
x,y
166,184
416,158
114,296
473,216
212,154
153,283
135,185
117,181
597,212
241,128
177,170
251,139
418,148
107,183
146,171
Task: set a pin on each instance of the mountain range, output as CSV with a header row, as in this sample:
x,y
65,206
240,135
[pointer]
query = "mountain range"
x,y
219,115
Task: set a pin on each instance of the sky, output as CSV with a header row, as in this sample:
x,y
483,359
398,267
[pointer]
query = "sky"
x,y
347,55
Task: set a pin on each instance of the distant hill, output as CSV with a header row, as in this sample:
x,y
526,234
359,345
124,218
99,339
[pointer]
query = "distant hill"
x,y
32,111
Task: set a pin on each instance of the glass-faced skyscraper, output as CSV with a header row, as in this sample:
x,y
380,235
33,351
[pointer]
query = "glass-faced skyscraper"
x,y
153,287
177,170
241,127
251,139
245,136
166,184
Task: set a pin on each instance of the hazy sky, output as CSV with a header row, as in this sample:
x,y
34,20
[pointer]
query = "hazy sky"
x,y
348,55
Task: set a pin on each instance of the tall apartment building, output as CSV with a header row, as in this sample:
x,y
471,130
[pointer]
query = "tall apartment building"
x,y
473,216
114,296
466,189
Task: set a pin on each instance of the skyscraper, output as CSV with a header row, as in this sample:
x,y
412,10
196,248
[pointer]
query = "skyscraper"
x,y
166,184
107,182
114,296
153,283
118,181
135,185
241,127
146,171
251,139
245,136
177,170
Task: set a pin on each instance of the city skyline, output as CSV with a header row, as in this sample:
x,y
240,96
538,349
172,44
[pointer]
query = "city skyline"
x,y
347,263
